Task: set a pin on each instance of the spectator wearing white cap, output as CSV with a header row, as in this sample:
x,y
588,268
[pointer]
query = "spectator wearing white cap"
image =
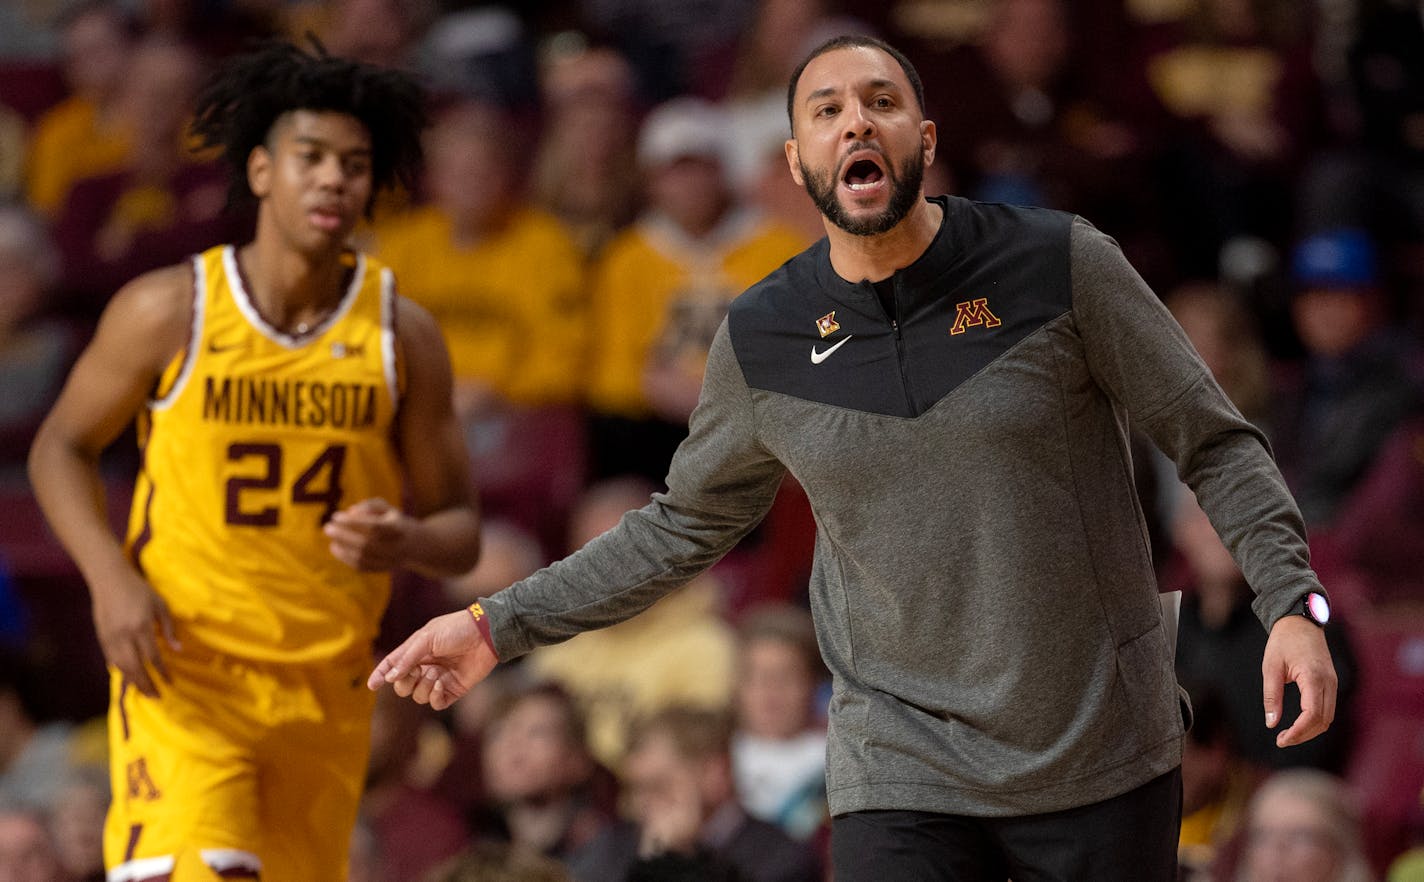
x,y
662,287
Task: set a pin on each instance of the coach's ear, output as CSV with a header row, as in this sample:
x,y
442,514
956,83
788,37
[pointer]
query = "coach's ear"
x,y
793,159
259,171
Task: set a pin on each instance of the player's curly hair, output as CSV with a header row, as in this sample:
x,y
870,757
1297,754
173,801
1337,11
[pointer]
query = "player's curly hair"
x,y
237,108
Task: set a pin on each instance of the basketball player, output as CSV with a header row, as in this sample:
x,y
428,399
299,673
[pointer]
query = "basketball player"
x,y
298,441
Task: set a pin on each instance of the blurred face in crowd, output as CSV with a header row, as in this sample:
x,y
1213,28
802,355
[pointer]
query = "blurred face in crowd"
x,y
96,51
1027,41
157,93
692,190
21,288
659,780
774,695
470,166
26,852
1290,840
860,141
78,821
1331,322
530,754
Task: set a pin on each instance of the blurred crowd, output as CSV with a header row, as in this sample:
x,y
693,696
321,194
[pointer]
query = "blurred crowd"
x,y
603,176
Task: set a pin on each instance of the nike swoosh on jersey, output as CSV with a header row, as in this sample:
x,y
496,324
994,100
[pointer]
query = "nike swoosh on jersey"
x,y
216,347
818,357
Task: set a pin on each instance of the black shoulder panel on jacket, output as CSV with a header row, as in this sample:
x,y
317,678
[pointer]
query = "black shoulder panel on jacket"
x,y
993,276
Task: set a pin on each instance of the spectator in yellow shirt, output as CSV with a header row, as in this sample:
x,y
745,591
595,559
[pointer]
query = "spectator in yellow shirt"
x,y
504,279
662,287
84,134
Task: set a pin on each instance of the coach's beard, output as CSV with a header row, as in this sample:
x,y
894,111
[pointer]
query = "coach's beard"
x,y
904,191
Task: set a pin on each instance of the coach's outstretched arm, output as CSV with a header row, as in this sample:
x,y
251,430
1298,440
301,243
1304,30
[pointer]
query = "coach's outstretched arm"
x,y
721,483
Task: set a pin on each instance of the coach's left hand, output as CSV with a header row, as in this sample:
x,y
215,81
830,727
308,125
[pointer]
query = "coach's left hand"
x,y
1296,653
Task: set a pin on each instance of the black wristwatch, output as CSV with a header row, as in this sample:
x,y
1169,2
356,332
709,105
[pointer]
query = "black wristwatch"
x,y
1314,606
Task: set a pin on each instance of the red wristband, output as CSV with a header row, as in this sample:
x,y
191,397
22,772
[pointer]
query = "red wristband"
x,y
482,622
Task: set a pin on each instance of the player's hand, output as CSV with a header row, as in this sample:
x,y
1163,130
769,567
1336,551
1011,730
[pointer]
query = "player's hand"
x,y
1296,653
128,618
439,663
371,535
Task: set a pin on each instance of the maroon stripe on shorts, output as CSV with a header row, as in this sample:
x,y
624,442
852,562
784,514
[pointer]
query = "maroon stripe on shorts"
x,y
135,830
124,715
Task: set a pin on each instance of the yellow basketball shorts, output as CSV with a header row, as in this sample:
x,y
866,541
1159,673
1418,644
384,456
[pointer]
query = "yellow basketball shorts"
x,y
238,770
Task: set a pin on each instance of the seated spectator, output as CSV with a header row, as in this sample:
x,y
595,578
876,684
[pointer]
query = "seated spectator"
x,y
35,350
585,171
1373,176
1378,536
1225,336
683,808
779,746
662,287
503,278
539,775
1029,134
414,829
1220,643
27,852
679,651
499,862
1216,785
1354,386
380,32
157,207
87,133
35,756
77,821
1240,100
1302,826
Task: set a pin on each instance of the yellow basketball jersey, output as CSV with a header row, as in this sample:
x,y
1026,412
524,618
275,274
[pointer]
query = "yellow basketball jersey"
x,y
253,439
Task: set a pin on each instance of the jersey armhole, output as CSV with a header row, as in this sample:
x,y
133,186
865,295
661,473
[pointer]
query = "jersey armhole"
x,y
391,355
175,376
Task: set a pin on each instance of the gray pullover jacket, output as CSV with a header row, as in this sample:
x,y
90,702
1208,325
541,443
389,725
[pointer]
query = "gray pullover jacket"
x,y
982,587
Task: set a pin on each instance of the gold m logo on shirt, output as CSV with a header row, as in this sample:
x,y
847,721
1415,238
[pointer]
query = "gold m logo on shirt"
x,y
973,313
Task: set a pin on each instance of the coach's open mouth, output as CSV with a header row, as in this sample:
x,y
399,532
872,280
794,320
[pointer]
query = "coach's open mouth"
x,y
864,173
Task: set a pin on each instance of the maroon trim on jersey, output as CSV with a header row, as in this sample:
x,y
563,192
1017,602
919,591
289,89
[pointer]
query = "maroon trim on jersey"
x,y
124,723
146,534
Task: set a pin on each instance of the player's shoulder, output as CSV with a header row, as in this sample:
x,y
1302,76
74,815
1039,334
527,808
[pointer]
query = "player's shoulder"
x,y
159,299
414,325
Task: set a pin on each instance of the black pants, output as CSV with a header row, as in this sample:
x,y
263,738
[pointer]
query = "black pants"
x,y
1129,838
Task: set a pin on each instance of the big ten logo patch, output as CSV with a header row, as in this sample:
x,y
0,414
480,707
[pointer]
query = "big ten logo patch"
x,y
973,313
140,782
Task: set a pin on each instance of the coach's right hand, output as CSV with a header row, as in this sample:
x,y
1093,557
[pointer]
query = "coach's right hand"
x,y
128,617
439,663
